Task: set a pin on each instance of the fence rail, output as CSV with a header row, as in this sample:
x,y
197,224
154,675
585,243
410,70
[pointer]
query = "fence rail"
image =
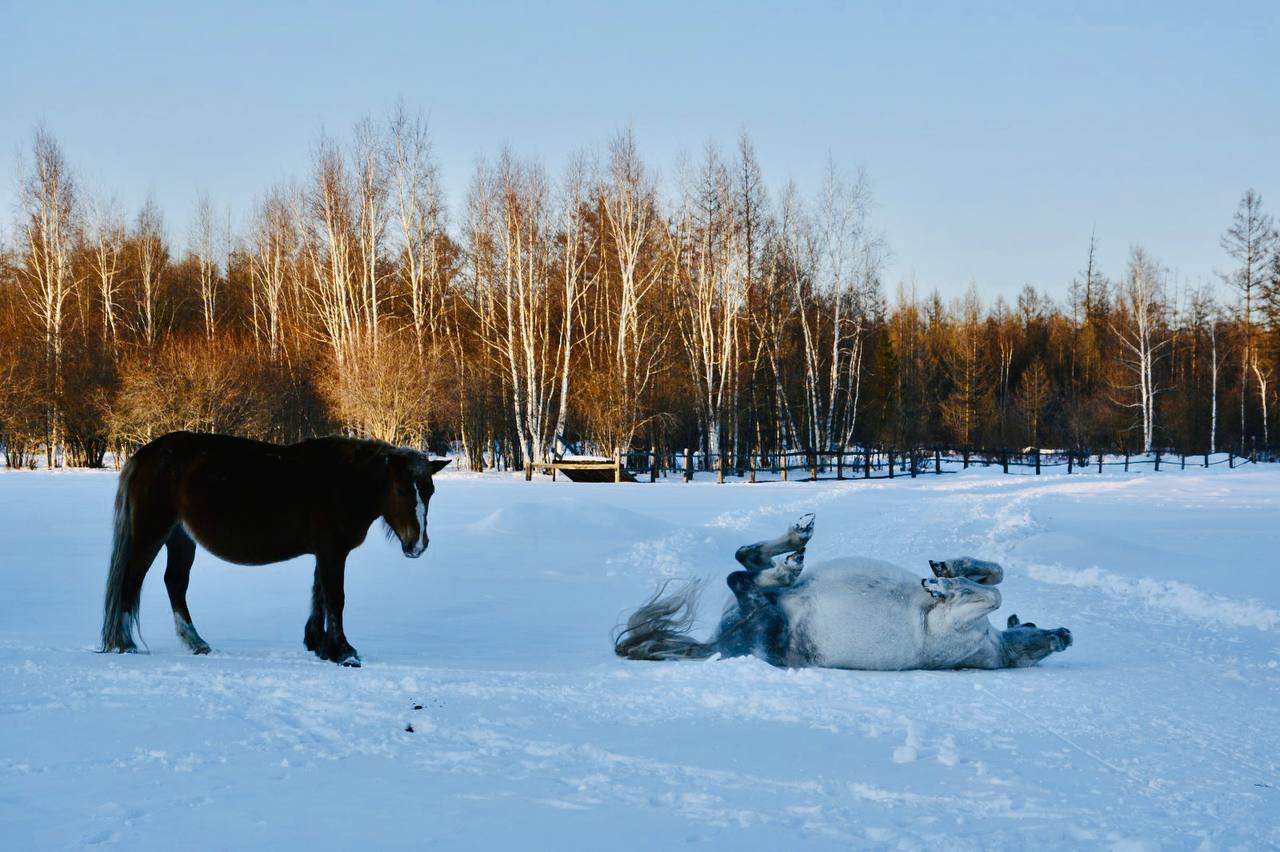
x,y
871,463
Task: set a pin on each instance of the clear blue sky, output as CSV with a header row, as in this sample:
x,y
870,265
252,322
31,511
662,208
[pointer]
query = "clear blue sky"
x,y
997,135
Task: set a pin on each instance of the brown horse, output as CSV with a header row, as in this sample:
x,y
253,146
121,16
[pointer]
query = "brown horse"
x,y
254,503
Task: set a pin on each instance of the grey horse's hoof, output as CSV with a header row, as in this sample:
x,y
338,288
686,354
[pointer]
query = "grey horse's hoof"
x,y
351,660
200,650
792,566
784,574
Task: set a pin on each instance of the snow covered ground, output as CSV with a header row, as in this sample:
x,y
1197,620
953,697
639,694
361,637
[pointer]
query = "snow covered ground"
x,y
1159,728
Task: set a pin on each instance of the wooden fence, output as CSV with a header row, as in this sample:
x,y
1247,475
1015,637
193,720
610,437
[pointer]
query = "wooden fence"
x,y
867,463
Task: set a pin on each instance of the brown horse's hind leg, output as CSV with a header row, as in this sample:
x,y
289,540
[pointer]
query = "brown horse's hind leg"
x,y
182,552
313,634
135,549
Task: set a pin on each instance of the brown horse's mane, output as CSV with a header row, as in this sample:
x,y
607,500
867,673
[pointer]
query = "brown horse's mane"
x,y
353,451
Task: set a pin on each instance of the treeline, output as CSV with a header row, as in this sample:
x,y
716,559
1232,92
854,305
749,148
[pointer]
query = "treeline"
x,y
592,309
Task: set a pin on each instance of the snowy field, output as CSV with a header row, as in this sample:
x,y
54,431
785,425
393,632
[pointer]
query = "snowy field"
x,y
1159,728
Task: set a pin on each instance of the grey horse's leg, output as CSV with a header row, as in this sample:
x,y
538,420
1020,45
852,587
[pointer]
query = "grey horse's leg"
x,y
977,570
1025,645
759,556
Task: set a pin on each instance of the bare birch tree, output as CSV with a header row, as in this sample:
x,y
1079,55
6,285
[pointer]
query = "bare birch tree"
x,y
1251,241
151,258
631,220
371,217
1142,338
577,250
517,299
329,240
274,249
206,243
419,218
710,283
106,236
48,200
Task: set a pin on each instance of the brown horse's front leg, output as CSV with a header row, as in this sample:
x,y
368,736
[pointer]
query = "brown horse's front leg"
x,y
331,570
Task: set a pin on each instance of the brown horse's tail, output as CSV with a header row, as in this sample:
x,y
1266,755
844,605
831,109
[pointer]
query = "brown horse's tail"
x,y
124,582
659,630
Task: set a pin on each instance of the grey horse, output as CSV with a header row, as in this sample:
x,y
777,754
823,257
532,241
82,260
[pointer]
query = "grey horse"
x,y
847,613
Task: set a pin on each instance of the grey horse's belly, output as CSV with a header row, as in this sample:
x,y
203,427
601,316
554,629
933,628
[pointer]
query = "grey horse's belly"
x,y
857,614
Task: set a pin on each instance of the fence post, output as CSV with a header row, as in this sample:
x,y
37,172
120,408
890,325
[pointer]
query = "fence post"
x,y
1184,461
866,463
891,463
720,466
688,465
617,464
937,461
913,464
1037,461
1206,459
1071,457
754,450
784,465
1004,458
813,466
966,458
1157,461
653,464
1099,461
528,471
1126,461
1231,459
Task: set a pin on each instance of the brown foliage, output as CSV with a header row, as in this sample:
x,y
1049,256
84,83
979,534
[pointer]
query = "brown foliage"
x,y
192,384
389,392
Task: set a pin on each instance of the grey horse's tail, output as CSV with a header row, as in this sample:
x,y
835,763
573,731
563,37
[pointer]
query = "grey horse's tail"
x,y
120,608
659,629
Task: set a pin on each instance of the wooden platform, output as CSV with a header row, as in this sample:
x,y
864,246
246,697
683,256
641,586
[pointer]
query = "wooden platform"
x,y
584,470
596,474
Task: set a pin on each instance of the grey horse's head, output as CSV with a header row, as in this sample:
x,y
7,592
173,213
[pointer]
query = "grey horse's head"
x,y
958,603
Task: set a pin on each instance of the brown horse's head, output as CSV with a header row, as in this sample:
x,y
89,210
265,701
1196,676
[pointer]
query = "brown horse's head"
x,y
408,494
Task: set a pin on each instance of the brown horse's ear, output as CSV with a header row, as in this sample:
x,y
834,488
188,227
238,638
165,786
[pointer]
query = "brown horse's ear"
x,y
438,465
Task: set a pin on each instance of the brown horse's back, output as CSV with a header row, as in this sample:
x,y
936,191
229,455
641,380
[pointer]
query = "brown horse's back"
x,y
247,501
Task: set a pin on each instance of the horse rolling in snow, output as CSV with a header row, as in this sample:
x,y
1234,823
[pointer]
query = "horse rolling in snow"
x,y
254,503
844,614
